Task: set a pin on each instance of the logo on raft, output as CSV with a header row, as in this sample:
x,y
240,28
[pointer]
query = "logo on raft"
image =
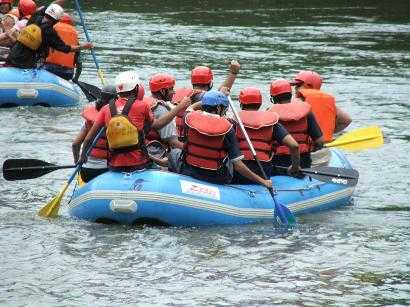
x,y
198,189
339,181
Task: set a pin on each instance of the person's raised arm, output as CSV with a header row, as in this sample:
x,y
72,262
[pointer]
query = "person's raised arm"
x,y
234,67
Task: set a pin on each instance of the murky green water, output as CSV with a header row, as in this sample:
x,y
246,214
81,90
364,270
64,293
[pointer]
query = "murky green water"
x,y
354,256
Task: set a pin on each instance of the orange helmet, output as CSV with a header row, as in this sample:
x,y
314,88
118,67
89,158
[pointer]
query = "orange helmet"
x,y
310,78
27,7
201,75
161,81
250,95
280,86
66,18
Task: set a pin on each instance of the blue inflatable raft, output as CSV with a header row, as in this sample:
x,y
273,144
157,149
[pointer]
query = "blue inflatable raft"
x,y
35,87
163,198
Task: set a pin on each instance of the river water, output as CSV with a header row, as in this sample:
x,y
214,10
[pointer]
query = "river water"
x,y
353,256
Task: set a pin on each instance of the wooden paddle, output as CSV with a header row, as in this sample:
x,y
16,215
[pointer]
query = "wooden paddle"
x,y
359,139
285,216
51,208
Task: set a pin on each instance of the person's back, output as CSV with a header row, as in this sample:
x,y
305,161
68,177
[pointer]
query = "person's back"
x,y
299,121
330,118
60,63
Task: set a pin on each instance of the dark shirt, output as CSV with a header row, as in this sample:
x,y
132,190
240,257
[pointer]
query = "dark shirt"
x,y
224,174
23,57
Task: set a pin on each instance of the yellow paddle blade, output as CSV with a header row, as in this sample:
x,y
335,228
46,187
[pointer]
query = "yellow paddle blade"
x,y
101,76
359,139
51,209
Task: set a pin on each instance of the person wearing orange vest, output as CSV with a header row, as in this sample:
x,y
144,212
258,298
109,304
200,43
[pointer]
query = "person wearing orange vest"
x,y
329,116
211,151
162,90
97,160
264,131
202,81
127,120
60,63
299,121
35,40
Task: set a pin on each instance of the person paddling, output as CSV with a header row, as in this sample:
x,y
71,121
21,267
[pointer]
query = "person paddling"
x,y
126,121
35,40
211,151
329,116
60,63
97,160
300,122
264,131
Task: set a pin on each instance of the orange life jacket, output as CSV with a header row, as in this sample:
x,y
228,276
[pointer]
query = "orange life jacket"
x,y
100,150
293,116
205,134
69,36
259,126
324,109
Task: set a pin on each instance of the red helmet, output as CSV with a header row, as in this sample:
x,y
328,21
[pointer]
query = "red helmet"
x,y
280,86
161,81
27,7
66,18
6,2
310,78
250,95
201,75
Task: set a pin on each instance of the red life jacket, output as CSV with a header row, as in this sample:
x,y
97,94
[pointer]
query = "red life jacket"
x,y
100,150
259,126
179,119
293,116
324,108
205,134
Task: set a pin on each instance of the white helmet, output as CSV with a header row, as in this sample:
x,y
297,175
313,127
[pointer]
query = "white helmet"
x,y
126,81
54,11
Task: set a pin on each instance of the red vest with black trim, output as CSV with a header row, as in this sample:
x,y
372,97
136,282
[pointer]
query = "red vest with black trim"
x,y
205,134
293,116
100,150
259,126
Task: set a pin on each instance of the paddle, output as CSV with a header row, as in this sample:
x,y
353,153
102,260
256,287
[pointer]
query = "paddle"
x,y
51,208
329,174
286,217
99,71
90,91
359,139
21,169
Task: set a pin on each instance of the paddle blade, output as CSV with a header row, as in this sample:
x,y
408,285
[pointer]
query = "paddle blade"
x,y
285,215
359,139
51,209
90,91
20,169
336,175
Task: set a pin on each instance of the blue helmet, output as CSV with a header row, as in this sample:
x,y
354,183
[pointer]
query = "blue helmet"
x,y
215,98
